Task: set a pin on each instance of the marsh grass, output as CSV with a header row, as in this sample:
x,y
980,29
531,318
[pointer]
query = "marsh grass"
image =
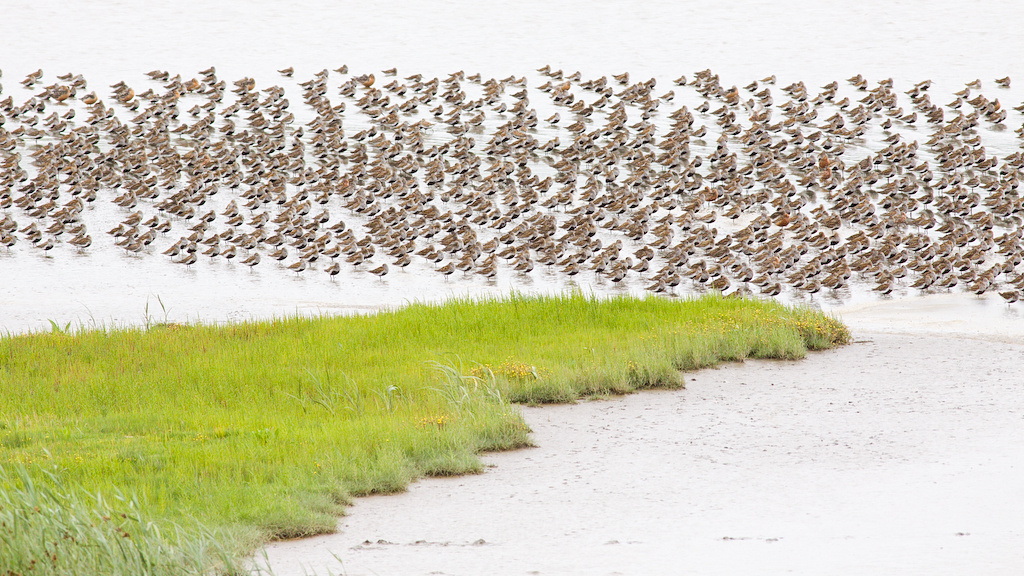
x,y
273,426
47,529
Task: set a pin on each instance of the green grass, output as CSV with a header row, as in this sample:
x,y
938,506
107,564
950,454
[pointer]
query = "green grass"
x,y
46,528
266,430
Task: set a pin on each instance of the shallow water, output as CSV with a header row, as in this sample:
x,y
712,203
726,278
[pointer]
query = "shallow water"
x,y
949,42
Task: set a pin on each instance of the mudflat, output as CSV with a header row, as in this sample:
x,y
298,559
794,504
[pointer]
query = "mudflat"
x,y
899,453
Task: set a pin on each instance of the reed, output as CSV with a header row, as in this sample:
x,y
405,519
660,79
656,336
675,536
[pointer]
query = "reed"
x,y
268,428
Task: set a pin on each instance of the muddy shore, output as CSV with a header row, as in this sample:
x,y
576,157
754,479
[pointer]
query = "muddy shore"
x,y
900,453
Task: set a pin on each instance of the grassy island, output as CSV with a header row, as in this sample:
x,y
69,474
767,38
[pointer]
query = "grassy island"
x,y
173,448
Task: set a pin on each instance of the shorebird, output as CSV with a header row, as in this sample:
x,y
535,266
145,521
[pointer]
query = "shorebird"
x,y
279,254
619,271
252,260
333,269
46,245
32,78
448,269
81,241
188,260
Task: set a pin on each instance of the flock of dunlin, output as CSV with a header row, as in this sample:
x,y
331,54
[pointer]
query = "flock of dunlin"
x,y
753,189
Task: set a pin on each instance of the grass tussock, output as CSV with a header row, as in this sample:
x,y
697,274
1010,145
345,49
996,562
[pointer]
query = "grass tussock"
x,y
274,426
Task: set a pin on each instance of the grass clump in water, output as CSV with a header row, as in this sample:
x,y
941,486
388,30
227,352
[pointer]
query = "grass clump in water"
x,y
274,426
